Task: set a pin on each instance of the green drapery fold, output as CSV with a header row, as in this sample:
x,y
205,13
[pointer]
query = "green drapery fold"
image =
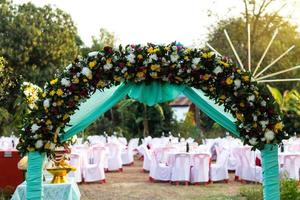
x,y
215,112
34,178
155,92
93,108
270,169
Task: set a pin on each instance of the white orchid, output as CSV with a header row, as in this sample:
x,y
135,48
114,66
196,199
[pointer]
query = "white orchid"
x,y
195,61
131,58
253,141
174,57
237,83
263,103
251,98
264,123
152,57
86,71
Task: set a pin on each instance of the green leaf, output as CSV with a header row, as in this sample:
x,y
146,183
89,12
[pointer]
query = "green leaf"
x,y
276,94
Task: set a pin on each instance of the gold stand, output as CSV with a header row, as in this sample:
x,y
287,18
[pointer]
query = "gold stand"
x,y
59,174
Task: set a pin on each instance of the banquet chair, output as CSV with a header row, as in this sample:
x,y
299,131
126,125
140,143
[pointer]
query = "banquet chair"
x,y
114,157
147,158
200,168
250,172
127,156
133,145
219,170
94,171
159,171
75,161
291,166
181,168
98,151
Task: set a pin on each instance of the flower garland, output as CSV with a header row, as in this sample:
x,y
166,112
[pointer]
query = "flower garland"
x,y
31,93
257,118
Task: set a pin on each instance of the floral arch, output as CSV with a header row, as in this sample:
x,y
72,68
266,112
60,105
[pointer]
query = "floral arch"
x,y
257,119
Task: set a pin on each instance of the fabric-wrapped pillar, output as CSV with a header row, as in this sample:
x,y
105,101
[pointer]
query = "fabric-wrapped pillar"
x,y
270,172
34,179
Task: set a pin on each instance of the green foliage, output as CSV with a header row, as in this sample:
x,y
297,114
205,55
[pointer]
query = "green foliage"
x,y
262,31
36,41
289,190
289,104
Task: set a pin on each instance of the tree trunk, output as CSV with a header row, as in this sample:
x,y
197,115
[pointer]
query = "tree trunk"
x,y
198,123
145,122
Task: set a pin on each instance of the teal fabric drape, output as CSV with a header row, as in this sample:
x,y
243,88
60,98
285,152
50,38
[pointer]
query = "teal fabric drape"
x,y
93,108
215,112
270,169
34,176
155,92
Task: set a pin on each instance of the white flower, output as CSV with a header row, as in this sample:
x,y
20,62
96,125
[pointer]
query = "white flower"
x,y
34,128
251,98
52,146
39,144
269,135
253,141
263,103
107,66
237,83
86,71
218,70
152,57
124,70
174,57
254,117
174,48
69,67
189,70
195,61
131,58
264,124
65,82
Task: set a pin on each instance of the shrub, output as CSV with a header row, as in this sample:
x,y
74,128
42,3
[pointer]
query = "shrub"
x,y
289,190
252,193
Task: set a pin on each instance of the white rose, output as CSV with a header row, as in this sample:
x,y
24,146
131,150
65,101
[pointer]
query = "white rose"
x,y
218,70
39,144
269,135
107,66
264,124
65,82
195,61
124,70
263,103
86,71
34,128
251,98
174,57
237,83
152,57
131,58
253,141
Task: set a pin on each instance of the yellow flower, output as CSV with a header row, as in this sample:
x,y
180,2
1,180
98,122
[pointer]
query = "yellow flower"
x,y
59,103
152,51
278,127
140,56
242,105
52,93
155,67
186,58
76,98
30,149
48,122
246,78
54,81
229,81
101,84
206,77
47,145
238,71
75,80
44,95
224,63
167,48
140,74
223,97
207,55
188,50
153,74
66,116
92,64
85,80
178,78
254,125
117,78
128,64
239,116
59,92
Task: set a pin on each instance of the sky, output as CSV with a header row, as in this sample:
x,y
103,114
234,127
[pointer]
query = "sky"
x,y
155,21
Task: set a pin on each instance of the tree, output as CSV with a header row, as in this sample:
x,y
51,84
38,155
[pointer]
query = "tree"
x,y
36,41
263,24
106,38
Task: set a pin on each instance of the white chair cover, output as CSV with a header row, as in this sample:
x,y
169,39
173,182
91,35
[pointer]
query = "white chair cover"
x,y
114,158
181,168
200,168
